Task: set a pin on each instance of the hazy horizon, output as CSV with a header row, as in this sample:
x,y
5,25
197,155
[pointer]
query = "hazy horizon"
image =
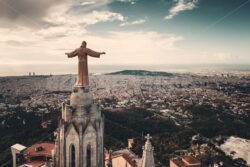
x,y
58,69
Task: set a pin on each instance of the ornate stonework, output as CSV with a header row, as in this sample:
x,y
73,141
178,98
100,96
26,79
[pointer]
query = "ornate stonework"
x,y
148,154
81,127
79,141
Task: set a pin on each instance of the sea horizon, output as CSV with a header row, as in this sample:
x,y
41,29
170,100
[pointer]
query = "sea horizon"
x,y
61,69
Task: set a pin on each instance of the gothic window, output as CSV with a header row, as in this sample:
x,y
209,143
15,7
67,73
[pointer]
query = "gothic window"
x,y
72,162
89,156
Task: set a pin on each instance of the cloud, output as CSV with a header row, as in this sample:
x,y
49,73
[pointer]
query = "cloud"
x,y
62,25
59,32
61,19
101,16
17,43
80,7
24,12
132,2
55,18
122,47
140,21
86,3
35,14
181,5
224,56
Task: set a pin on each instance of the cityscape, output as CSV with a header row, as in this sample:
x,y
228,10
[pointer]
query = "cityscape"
x,y
210,113
124,83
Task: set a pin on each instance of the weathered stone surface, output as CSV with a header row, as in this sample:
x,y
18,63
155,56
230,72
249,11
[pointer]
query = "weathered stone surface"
x,y
80,133
148,154
81,125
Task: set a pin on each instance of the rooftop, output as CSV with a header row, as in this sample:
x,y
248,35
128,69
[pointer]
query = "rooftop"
x,y
125,157
186,161
190,160
40,150
18,147
178,162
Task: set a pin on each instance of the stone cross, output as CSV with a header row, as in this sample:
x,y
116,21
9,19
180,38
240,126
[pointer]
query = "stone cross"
x,y
148,137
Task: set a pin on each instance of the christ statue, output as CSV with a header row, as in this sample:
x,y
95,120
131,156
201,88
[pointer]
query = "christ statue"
x,y
83,52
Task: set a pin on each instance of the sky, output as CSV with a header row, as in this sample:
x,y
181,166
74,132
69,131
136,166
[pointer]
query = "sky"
x,y
131,32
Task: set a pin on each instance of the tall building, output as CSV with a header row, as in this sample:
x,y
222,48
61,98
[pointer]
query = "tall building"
x,y
36,155
121,158
16,150
126,158
148,154
79,139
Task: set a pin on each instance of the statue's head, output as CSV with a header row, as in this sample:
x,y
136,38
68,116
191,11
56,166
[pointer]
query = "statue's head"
x,y
84,44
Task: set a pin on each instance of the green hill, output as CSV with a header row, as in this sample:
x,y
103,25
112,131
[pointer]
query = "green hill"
x,y
141,73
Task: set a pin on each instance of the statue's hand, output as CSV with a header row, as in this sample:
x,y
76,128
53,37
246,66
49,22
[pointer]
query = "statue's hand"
x,y
67,54
103,53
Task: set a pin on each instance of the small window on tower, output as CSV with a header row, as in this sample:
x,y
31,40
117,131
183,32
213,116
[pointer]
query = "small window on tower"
x,y
89,156
72,162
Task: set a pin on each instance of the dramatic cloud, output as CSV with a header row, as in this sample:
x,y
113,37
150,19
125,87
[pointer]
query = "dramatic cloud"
x,y
50,19
63,25
24,12
59,18
140,21
181,5
35,14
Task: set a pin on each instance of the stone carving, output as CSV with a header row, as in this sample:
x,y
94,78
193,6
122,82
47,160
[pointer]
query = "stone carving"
x,y
83,52
81,127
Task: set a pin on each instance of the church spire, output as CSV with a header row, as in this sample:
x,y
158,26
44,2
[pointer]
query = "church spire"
x,y
148,153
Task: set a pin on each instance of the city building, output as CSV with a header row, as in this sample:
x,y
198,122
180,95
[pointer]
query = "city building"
x,y
16,151
130,143
185,161
37,155
120,160
126,158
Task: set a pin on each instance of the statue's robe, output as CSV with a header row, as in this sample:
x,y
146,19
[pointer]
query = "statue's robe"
x,y
83,53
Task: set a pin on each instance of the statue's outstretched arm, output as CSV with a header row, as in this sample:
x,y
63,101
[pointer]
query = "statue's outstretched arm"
x,y
94,53
72,54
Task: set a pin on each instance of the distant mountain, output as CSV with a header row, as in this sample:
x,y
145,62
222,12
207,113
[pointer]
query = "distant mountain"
x,y
141,73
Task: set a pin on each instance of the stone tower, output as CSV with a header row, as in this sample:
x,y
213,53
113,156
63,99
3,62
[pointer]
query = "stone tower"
x,y
148,154
79,141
